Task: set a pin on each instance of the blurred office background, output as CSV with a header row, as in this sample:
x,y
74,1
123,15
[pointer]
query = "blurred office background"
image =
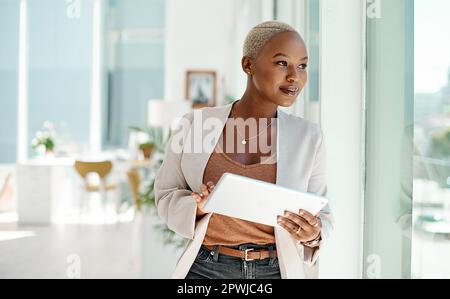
x,y
88,89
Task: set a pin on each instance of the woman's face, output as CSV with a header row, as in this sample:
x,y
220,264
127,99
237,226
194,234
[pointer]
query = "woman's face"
x,y
279,70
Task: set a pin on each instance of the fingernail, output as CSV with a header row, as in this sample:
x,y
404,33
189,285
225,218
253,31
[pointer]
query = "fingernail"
x,y
302,212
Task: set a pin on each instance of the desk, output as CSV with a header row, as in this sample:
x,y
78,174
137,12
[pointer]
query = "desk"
x,y
48,188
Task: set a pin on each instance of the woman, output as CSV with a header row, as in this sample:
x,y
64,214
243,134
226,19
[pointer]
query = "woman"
x,y
269,145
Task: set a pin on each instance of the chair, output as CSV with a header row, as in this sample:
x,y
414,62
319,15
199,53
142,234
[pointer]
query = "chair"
x,y
101,169
134,180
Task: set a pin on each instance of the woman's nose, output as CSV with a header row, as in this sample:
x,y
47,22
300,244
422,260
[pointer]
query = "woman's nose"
x,y
290,79
293,75
293,78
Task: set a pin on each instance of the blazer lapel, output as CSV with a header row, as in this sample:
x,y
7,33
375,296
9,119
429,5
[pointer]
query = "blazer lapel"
x,y
290,261
193,163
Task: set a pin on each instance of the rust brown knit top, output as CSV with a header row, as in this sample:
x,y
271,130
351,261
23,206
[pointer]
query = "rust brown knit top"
x,y
223,230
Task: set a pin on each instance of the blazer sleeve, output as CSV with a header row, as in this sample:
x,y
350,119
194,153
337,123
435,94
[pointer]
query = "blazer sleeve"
x,y
317,184
174,202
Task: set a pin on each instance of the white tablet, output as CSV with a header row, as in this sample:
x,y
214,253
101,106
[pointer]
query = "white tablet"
x,y
257,201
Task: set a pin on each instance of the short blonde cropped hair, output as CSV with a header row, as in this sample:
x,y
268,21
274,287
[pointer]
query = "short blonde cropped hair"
x,y
261,34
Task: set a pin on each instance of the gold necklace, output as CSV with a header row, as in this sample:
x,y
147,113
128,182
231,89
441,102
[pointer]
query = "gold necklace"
x,y
245,140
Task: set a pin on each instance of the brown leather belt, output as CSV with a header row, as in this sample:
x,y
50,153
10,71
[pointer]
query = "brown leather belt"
x,y
247,254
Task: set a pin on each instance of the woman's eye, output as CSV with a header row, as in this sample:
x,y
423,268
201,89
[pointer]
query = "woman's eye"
x,y
282,63
303,66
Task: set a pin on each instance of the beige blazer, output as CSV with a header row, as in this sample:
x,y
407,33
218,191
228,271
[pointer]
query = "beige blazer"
x,y
300,166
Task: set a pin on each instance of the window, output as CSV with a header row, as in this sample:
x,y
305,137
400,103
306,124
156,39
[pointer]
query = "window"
x,y
431,160
389,141
134,65
59,70
408,141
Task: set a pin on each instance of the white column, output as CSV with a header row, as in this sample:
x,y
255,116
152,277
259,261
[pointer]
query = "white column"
x,y
342,84
22,86
95,116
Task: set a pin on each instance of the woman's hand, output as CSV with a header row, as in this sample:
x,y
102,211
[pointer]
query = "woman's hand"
x,y
303,226
202,197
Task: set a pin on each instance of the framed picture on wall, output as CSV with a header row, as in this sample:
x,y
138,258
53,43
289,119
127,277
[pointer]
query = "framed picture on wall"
x,y
201,88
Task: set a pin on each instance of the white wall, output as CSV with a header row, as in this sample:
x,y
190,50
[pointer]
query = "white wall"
x,y
199,35
209,34
342,110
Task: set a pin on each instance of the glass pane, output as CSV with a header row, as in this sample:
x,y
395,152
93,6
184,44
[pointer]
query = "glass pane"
x,y
389,134
431,251
60,59
134,71
312,95
9,24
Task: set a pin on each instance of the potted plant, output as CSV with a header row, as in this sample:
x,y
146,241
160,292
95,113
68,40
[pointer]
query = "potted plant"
x,y
46,142
147,205
45,138
155,139
147,149
146,202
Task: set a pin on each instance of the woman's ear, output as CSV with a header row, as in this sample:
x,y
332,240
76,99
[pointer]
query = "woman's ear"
x,y
247,65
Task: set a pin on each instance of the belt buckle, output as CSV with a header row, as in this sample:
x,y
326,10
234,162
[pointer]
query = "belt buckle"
x,y
246,254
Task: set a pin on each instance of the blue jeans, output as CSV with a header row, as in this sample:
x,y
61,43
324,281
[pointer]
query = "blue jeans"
x,y
213,265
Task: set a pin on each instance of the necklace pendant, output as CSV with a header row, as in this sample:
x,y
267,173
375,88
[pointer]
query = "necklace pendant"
x,y
244,142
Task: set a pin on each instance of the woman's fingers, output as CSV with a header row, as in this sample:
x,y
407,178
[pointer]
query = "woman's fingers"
x,y
203,190
314,221
288,224
210,186
196,196
202,196
302,226
206,189
291,227
299,221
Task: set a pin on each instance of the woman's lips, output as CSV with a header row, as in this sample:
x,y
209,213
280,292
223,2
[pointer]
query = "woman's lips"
x,y
289,91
